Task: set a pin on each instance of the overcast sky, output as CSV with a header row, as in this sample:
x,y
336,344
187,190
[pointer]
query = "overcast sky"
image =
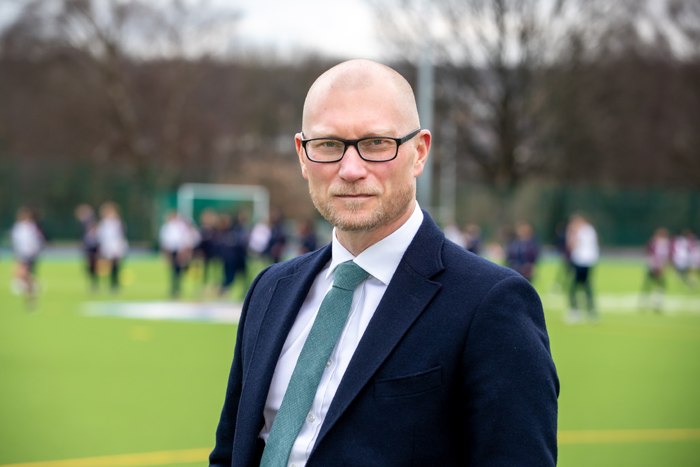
x,y
339,28
336,28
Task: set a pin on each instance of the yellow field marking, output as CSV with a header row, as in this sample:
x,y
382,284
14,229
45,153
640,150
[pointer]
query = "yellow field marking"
x,y
200,455
625,436
127,460
140,333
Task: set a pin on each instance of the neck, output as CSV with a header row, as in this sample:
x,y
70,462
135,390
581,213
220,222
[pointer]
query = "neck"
x,y
358,241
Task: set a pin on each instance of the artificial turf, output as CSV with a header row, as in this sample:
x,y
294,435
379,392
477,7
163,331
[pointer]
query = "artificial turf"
x,y
73,386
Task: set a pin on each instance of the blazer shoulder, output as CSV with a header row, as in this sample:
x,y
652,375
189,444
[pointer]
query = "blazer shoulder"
x,y
435,257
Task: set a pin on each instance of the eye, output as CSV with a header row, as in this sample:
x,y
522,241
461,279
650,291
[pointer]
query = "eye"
x,y
377,145
325,145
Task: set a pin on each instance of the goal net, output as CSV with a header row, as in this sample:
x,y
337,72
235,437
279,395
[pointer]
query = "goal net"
x,y
193,198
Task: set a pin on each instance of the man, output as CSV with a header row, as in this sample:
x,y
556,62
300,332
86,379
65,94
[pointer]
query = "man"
x,y
443,358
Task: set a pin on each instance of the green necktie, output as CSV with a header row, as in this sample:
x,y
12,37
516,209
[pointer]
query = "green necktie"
x,y
301,391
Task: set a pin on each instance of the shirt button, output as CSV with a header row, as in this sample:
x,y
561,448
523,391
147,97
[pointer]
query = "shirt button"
x,y
311,418
293,465
328,364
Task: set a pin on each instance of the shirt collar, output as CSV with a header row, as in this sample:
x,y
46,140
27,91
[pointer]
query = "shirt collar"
x,y
381,259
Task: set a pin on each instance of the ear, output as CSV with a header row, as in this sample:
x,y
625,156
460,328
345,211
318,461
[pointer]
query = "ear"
x,y
300,153
422,150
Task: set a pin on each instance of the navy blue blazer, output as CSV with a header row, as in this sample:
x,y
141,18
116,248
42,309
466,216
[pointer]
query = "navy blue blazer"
x,y
454,368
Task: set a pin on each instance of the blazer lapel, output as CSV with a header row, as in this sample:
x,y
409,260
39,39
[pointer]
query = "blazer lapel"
x,y
408,294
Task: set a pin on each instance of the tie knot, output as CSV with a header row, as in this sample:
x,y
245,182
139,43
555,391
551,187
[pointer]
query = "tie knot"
x,y
348,276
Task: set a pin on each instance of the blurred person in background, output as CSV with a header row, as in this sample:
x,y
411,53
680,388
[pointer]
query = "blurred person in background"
x,y
523,251
259,238
681,256
582,242
89,241
177,239
307,237
233,248
205,251
85,216
111,235
454,234
27,241
472,238
506,235
657,254
562,276
278,238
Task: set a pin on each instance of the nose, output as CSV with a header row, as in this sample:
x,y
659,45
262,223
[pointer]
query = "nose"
x,y
352,166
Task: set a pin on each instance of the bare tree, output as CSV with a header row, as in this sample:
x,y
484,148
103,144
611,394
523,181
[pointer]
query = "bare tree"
x,y
488,54
110,82
108,38
568,90
684,16
623,96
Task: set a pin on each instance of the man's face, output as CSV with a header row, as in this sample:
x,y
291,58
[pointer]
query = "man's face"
x,y
353,194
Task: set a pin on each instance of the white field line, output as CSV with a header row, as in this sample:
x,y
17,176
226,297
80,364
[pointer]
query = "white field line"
x,y
213,312
223,312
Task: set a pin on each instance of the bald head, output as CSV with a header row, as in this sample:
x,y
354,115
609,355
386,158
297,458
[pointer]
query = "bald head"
x,y
362,76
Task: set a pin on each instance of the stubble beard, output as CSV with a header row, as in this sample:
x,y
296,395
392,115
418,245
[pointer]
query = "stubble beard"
x,y
350,219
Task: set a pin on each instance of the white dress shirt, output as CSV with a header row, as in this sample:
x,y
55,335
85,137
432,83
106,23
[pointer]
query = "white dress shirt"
x,y
380,261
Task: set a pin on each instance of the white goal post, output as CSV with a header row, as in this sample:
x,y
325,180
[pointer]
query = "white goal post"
x,y
189,192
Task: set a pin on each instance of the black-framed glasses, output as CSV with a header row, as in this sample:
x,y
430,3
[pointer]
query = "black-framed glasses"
x,y
371,149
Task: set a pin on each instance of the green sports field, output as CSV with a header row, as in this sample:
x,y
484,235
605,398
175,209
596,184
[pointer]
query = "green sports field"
x,y
133,392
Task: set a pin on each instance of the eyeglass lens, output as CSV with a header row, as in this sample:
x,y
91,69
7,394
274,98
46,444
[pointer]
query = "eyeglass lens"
x,y
376,149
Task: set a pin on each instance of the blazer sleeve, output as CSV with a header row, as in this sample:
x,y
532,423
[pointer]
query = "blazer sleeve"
x,y
509,381
222,455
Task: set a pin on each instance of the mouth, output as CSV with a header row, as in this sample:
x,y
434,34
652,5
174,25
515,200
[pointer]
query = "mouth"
x,y
353,192
354,196
354,200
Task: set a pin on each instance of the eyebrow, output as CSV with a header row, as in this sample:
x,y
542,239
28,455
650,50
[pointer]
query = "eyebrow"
x,y
369,134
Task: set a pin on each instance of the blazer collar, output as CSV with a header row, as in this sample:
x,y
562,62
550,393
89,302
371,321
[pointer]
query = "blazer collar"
x,y
424,255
